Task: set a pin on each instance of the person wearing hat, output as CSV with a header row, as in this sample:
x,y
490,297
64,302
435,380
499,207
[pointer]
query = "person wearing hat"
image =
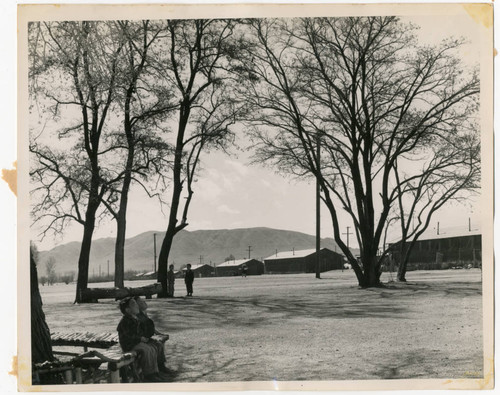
x,y
170,281
148,330
189,279
131,339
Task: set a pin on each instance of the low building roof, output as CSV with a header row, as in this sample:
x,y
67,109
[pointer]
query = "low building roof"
x,y
294,254
446,233
194,267
236,262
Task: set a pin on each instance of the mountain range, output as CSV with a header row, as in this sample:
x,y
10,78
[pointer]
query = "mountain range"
x,y
213,246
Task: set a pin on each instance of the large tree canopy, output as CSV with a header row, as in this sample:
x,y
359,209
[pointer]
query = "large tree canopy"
x,y
198,63
393,119
73,78
125,102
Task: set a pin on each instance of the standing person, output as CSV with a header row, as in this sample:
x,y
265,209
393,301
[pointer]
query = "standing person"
x,y
189,279
170,281
131,338
148,330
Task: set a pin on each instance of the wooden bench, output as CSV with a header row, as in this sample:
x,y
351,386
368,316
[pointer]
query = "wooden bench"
x,y
83,339
110,353
53,368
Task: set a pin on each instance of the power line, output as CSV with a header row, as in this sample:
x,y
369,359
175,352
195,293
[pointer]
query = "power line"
x,y
348,234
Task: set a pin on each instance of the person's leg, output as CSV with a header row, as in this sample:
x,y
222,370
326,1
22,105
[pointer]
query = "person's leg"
x,y
149,358
160,352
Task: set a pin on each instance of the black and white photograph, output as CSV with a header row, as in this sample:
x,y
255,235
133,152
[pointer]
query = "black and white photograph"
x,y
292,197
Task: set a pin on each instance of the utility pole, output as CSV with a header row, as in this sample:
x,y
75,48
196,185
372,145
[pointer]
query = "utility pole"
x,y
347,233
438,228
318,210
154,243
469,225
99,270
249,249
201,259
108,267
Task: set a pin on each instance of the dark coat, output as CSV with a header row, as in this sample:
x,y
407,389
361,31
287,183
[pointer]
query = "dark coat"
x,y
189,278
129,332
147,325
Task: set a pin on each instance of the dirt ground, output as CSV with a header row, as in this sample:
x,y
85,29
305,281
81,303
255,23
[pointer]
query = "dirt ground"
x,y
295,327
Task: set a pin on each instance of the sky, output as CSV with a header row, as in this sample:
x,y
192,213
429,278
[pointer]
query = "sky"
x,y
232,193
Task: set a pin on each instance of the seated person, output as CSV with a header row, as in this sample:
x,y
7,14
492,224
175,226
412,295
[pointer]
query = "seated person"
x,y
132,339
148,330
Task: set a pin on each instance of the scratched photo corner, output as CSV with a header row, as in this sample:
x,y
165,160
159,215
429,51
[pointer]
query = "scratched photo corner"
x,y
258,197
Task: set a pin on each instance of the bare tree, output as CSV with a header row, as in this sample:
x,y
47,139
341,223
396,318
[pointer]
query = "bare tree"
x,y
50,268
374,98
72,72
197,63
145,104
451,174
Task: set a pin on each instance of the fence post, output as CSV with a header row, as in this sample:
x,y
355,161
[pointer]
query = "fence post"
x,y
114,376
68,376
78,375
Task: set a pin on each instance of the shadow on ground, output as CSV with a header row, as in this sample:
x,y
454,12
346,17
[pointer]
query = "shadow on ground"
x,y
350,303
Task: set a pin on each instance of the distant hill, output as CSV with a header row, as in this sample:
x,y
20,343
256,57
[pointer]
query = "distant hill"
x,y
213,245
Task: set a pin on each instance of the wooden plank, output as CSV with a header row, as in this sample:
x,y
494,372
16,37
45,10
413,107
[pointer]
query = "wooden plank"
x,y
53,369
71,354
152,289
160,338
84,339
91,294
94,294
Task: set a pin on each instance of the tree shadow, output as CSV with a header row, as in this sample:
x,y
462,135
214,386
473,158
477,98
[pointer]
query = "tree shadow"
x,y
181,359
415,364
249,312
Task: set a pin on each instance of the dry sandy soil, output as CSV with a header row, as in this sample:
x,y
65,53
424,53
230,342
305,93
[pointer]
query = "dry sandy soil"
x,y
295,327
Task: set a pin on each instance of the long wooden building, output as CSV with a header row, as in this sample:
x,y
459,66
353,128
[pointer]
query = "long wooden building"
x,y
441,251
303,261
235,267
200,270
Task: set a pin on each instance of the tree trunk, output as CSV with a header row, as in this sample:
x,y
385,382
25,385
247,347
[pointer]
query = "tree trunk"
x,y
403,262
372,274
172,228
166,246
120,249
369,275
41,347
121,225
83,260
